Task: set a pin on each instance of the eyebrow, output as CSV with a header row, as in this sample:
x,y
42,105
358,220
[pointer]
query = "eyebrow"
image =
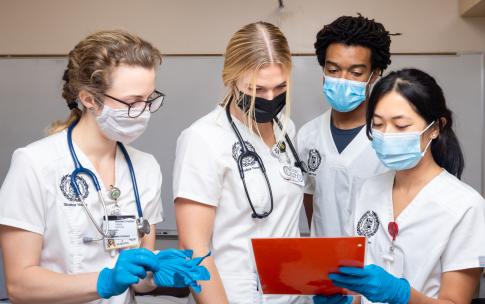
x,y
394,117
140,96
279,85
354,66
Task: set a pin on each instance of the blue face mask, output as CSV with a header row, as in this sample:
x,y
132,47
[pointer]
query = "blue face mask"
x,y
399,151
344,95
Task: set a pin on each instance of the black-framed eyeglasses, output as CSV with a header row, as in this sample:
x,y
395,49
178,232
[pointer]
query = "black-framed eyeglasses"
x,y
154,102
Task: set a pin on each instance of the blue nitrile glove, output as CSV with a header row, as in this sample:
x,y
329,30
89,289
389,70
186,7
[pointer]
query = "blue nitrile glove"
x,y
335,299
374,283
131,266
178,269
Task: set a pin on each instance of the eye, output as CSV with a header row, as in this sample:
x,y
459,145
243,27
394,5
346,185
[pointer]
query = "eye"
x,y
356,74
402,127
376,125
332,70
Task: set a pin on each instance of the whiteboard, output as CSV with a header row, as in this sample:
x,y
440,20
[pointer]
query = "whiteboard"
x,y
30,99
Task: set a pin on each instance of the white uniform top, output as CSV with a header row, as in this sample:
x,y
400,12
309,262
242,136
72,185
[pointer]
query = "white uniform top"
x,y
206,171
441,230
36,196
334,178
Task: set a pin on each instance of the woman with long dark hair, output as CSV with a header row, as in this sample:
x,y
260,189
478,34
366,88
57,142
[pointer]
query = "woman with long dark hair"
x,y
424,226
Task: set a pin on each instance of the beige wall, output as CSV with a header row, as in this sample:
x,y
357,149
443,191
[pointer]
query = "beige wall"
x,y
204,26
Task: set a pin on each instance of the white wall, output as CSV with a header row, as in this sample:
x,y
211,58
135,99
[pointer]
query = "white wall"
x,y
191,26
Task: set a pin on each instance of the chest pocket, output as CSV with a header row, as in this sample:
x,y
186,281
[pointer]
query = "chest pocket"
x,y
257,189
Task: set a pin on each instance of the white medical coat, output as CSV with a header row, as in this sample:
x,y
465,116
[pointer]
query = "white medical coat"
x,y
334,178
36,196
441,230
206,171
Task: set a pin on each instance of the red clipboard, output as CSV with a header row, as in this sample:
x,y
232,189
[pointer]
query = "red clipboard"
x,y
300,266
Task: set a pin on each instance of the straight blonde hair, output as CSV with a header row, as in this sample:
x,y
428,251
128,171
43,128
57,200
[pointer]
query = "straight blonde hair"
x,y
250,49
91,62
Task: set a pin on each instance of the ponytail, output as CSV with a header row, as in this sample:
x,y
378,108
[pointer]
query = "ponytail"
x,y
70,96
447,152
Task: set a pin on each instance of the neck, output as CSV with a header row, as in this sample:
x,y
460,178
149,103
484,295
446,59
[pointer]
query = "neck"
x,y
265,129
91,141
418,176
350,120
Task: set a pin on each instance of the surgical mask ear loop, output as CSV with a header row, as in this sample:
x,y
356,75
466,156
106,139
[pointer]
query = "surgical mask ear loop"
x,y
431,140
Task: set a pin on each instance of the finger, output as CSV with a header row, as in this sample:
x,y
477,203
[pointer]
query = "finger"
x,y
146,259
346,281
198,260
127,279
174,253
353,271
135,270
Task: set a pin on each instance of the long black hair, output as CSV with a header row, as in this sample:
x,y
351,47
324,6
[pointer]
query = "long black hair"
x,y
426,97
356,31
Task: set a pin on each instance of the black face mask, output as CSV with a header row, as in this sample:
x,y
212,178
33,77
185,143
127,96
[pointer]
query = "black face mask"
x,y
264,110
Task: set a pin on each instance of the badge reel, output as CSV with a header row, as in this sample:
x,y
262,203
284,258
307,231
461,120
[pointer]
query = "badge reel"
x,y
287,170
123,229
393,258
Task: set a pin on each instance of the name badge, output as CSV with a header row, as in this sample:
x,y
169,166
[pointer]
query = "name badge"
x,y
123,232
292,174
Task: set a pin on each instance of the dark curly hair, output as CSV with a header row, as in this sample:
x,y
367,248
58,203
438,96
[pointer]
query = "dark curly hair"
x,y
359,31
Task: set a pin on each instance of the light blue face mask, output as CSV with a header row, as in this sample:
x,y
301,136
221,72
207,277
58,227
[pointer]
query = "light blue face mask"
x,y
399,151
344,95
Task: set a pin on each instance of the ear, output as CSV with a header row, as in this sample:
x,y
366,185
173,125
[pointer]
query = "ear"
x,y
375,74
88,101
435,130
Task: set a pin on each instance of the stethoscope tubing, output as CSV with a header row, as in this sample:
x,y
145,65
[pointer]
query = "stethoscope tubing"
x,y
79,169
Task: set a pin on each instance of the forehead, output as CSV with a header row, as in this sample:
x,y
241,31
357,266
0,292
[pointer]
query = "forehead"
x,y
127,76
268,75
394,104
348,55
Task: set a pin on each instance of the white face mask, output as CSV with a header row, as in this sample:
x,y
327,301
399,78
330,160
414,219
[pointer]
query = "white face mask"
x,y
118,126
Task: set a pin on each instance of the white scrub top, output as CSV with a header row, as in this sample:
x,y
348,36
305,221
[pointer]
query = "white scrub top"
x,y
206,172
441,230
37,196
334,178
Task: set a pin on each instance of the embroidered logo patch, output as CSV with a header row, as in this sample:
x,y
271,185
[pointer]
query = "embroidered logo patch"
x,y
368,224
68,190
237,150
314,160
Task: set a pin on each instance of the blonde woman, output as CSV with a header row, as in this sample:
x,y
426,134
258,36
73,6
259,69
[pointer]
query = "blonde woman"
x,y
236,174
63,192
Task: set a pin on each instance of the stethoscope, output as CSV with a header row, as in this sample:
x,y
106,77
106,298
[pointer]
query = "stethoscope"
x,y
245,152
142,224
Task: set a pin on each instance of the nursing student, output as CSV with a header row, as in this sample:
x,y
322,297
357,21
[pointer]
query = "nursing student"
x,y
237,175
75,205
424,227
353,52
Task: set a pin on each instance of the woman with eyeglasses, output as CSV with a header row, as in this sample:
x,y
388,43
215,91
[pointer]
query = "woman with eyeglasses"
x,y
78,208
236,174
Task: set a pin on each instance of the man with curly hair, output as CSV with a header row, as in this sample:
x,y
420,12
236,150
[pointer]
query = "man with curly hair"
x,y
353,53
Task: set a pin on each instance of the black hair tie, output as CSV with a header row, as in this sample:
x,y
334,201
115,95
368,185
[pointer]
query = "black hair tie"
x,y
65,76
72,105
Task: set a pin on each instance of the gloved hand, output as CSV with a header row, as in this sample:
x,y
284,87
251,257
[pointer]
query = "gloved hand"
x,y
335,299
178,269
131,266
374,283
